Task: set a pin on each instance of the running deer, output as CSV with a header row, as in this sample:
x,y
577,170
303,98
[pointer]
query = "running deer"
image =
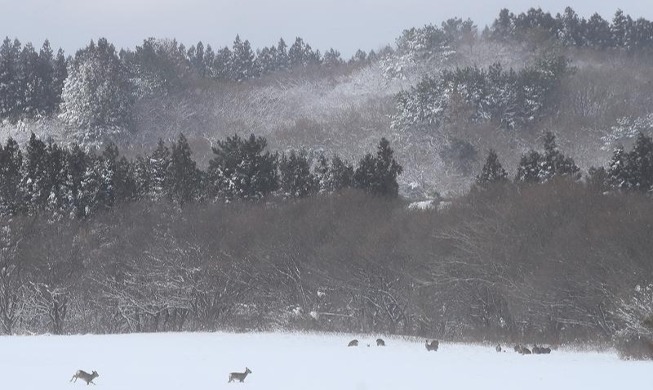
x,y
380,343
240,376
432,346
353,343
81,374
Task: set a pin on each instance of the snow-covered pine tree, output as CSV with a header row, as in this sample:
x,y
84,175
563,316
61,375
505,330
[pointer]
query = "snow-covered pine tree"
x,y
158,164
242,169
97,95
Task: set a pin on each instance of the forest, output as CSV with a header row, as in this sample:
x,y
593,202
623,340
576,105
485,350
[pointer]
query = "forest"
x,y
464,183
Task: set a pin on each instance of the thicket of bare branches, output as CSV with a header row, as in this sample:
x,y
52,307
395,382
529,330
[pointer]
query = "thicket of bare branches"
x,y
554,263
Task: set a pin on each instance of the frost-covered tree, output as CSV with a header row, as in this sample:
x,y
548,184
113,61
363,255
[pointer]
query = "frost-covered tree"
x,y
538,168
97,95
157,67
156,171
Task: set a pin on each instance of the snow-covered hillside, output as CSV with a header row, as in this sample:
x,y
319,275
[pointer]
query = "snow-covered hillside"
x,y
298,361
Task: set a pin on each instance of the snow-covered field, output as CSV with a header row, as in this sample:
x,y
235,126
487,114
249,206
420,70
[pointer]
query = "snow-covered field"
x,y
300,362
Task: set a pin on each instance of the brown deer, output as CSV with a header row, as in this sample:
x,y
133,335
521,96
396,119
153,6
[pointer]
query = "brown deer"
x,y
81,374
432,346
380,343
240,376
353,343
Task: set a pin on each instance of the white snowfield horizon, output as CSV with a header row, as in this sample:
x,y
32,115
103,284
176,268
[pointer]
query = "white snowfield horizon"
x,y
294,361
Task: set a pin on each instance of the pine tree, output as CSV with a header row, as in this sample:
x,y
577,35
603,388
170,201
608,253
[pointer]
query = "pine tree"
x,y
28,82
242,170
57,205
45,94
76,167
222,66
9,79
529,168
157,171
97,95
11,161
243,60
35,183
282,60
183,175
555,163
492,171
341,175
641,161
297,181
378,175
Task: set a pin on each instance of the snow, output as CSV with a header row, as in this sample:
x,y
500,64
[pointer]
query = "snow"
x,y
300,361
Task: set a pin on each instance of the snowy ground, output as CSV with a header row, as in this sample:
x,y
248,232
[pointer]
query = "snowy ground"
x,y
299,362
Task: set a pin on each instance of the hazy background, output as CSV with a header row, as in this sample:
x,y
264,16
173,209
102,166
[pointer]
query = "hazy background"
x,y
345,25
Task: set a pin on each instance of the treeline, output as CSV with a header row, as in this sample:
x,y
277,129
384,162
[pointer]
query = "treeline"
x,y
626,171
568,29
34,84
553,262
71,182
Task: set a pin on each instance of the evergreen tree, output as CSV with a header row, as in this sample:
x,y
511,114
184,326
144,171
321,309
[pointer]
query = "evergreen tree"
x,y
35,183
242,170
9,79
76,167
378,175
45,95
529,168
297,181
57,203
97,95
59,75
11,161
243,60
29,83
183,175
158,165
341,175
492,171
555,163
641,161
282,60
222,66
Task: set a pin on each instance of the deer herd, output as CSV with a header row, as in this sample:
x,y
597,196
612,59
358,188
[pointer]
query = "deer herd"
x,y
240,376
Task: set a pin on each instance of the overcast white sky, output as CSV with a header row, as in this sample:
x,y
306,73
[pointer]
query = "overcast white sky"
x,y
345,25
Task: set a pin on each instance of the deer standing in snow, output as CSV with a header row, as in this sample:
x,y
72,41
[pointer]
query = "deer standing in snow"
x,y
240,376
